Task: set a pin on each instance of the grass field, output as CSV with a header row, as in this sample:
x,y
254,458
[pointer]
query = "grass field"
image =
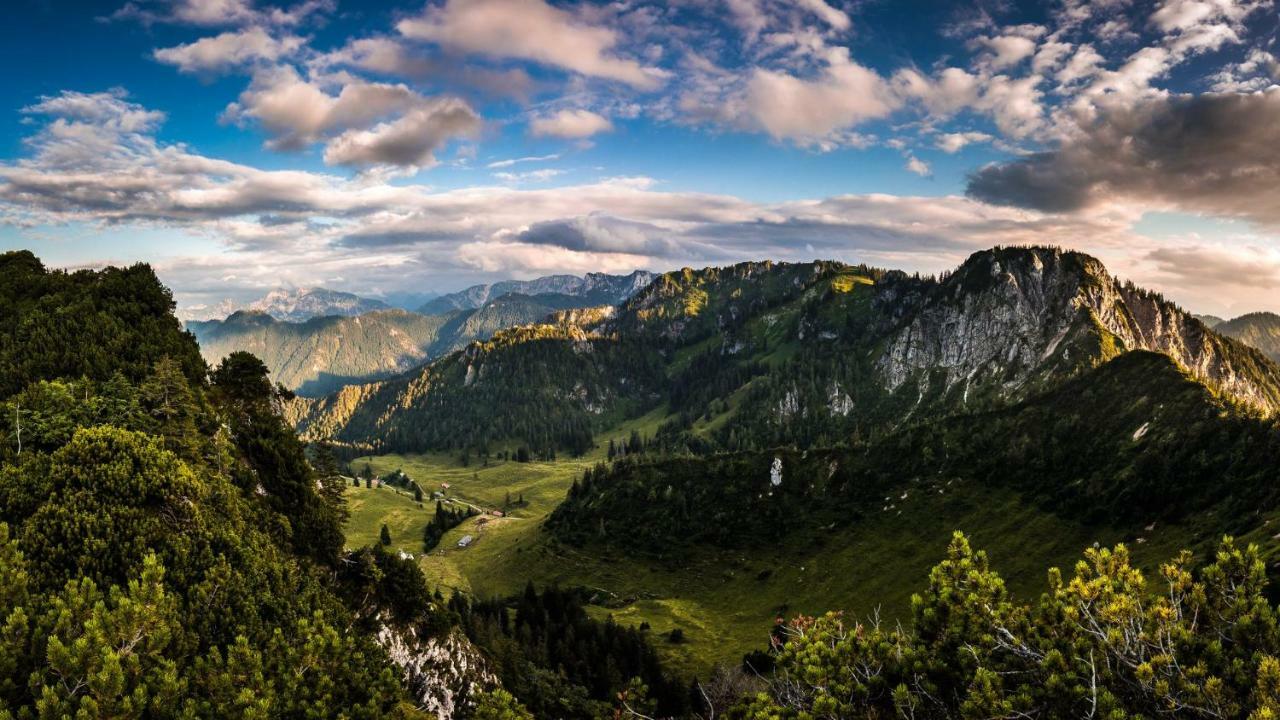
x,y
725,602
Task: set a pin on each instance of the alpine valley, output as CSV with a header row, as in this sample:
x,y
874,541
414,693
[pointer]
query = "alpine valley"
x,y
643,506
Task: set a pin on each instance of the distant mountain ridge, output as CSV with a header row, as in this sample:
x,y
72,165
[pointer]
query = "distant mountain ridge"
x,y
321,354
593,289
290,305
761,354
1259,329
301,304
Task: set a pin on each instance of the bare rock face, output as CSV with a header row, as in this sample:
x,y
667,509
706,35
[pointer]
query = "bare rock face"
x,y
1008,318
444,675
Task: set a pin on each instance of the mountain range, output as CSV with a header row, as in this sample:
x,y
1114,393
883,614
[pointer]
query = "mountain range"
x,y
1259,329
317,341
766,353
767,420
591,289
291,305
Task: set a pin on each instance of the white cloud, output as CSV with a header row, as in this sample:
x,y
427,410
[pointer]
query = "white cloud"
x,y
1005,51
364,124
951,143
516,161
409,141
302,228
214,13
817,111
388,56
530,30
229,49
539,175
109,111
572,124
837,19
918,166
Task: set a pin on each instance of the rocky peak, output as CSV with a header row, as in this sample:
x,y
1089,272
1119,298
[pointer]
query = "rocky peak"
x,y
1011,317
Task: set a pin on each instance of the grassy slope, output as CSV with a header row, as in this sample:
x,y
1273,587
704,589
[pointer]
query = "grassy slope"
x,y
718,598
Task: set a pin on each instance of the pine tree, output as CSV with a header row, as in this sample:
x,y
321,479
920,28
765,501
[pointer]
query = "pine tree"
x,y
166,397
385,535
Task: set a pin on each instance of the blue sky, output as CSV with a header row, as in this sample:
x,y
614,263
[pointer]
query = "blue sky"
x,y
379,147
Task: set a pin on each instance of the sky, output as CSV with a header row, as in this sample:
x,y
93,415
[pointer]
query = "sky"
x,y
389,147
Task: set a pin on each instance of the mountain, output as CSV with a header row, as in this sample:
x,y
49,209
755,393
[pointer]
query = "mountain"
x,y
168,548
300,304
1210,321
769,440
760,354
323,354
347,345
1260,330
593,289
289,305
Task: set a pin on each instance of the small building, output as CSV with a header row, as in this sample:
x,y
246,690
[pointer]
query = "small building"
x,y
496,513
465,541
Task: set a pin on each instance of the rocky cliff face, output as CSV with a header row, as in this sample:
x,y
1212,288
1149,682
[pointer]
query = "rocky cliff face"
x,y
443,674
1010,318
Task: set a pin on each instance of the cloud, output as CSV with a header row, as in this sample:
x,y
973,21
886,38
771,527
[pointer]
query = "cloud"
x,y
918,166
837,19
1213,153
1014,104
516,161
1196,265
109,111
1005,51
952,143
297,112
304,227
603,233
228,50
817,111
409,141
530,30
213,13
364,124
388,56
540,175
573,124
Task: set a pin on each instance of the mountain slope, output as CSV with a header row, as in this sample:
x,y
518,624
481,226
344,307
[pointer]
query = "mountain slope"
x,y
324,354
1260,330
1132,441
760,354
1018,314
166,547
591,290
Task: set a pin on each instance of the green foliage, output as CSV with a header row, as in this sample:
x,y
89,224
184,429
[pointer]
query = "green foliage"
x,y
445,519
1129,441
165,550
86,324
499,705
542,386
559,662
1101,644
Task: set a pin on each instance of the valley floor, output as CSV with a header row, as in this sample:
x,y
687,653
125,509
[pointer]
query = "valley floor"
x,y
726,602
